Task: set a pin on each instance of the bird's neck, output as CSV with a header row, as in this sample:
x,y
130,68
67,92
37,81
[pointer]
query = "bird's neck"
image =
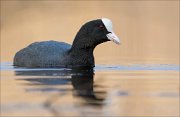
x,y
81,51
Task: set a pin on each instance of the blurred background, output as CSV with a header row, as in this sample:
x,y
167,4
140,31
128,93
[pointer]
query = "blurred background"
x,y
149,30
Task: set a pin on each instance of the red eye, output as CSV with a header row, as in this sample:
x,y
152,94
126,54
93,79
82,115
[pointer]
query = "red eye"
x,y
101,26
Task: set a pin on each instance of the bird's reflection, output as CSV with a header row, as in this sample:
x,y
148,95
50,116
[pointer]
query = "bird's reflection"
x,y
82,81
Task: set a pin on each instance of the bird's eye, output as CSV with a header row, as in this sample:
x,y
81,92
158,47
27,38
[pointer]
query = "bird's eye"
x,y
101,27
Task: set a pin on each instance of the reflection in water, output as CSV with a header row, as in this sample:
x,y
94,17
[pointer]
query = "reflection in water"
x,y
82,81
114,91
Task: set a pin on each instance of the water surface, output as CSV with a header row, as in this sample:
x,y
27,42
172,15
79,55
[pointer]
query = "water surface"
x,y
106,90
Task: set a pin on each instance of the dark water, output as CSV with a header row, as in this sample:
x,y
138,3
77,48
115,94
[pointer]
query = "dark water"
x,y
106,90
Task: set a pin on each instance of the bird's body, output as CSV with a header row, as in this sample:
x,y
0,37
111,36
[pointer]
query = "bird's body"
x,y
43,54
49,54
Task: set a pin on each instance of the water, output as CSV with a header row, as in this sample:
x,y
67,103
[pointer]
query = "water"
x,y
106,90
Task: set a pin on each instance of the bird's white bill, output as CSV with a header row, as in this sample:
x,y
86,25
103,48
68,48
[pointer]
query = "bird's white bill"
x,y
112,36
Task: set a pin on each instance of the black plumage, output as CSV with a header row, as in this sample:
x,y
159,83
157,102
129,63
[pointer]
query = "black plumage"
x,y
59,54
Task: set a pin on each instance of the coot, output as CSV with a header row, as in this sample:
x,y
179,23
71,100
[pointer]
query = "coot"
x,y
49,54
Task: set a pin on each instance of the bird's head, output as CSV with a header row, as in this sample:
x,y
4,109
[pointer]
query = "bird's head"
x,y
97,31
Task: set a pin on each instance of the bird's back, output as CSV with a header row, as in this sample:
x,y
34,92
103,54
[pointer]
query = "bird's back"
x,y
42,54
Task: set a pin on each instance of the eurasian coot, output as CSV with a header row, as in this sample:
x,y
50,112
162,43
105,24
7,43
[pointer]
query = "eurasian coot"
x,y
49,54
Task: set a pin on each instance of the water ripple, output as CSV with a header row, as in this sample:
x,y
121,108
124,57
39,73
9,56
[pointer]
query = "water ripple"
x,y
159,67
134,67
